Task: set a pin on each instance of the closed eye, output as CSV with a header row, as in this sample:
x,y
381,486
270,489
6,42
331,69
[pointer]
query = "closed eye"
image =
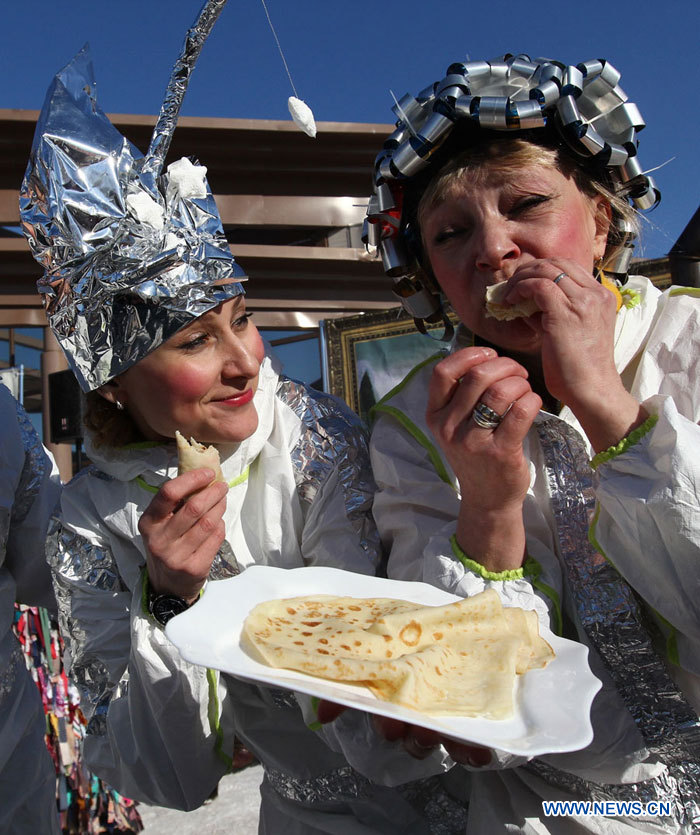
x,y
529,202
448,234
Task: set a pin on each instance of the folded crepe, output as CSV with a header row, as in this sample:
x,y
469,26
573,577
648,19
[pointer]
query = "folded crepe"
x,y
462,658
192,455
496,307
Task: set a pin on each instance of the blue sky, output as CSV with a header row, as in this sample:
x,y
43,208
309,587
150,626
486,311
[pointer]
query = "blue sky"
x,y
346,57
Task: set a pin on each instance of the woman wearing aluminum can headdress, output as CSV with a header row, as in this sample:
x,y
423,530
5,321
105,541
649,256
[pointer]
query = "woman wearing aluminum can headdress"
x,y
552,454
144,296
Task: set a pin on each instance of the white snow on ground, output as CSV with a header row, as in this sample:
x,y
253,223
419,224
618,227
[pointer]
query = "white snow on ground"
x,y
233,812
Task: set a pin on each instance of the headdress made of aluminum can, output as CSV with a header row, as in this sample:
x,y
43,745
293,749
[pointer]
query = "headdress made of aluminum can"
x,y
582,106
130,253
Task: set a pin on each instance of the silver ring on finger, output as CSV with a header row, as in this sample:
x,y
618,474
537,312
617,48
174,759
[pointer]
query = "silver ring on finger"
x,y
485,417
559,278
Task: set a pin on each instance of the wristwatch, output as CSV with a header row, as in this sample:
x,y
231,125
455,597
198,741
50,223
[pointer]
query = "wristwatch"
x,y
164,607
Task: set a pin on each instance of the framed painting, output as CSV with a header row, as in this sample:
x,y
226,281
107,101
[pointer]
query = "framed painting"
x,y
366,355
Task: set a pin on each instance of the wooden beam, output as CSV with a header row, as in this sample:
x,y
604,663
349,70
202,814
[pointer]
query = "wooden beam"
x,y
22,317
290,211
305,211
251,251
216,123
17,244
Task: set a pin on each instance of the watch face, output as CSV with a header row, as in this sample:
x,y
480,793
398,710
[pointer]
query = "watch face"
x,y
165,606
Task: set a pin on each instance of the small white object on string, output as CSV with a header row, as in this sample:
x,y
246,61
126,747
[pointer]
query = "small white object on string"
x,y
298,109
302,115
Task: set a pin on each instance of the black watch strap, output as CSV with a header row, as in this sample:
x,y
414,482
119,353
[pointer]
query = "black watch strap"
x,y
164,607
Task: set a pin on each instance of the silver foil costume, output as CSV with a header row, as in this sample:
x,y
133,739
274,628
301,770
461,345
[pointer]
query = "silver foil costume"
x,y
306,500
619,631
646,743
131,254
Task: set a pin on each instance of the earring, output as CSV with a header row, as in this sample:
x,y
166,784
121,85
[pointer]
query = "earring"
x,y
119,405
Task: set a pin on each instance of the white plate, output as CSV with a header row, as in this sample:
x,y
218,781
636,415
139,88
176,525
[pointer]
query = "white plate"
x,y
552,705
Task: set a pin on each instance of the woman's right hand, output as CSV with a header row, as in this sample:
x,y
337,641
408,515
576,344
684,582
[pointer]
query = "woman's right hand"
x,y
419,742
182,529
489,463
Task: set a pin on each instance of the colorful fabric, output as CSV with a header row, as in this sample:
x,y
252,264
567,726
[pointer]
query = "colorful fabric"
x,y
86,805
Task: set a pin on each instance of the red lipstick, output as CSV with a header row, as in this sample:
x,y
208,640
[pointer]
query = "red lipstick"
x,y
238,399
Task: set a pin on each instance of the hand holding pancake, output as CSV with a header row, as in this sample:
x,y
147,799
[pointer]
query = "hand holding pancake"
x,y
577,328
183,527
577,323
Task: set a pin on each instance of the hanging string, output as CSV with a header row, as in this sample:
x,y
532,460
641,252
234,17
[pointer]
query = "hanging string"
x,y
298,109
279,46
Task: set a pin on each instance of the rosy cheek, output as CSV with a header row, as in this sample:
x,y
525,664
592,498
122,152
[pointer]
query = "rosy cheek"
x,y
257,347
187,384
570,229
575,236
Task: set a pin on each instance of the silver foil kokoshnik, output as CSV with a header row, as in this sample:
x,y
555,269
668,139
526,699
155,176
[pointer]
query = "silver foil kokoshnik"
x,y
130,253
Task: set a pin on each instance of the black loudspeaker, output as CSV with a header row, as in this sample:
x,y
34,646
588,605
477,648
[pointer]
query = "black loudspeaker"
x,y
65,410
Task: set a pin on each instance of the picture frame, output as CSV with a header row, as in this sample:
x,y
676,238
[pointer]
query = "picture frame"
x,y
364,356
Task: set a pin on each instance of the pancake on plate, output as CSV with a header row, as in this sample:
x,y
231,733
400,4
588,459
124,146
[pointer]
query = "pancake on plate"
x,y
462,658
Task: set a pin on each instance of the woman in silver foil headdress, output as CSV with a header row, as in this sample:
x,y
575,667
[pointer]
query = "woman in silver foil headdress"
x,y
145,298
553,455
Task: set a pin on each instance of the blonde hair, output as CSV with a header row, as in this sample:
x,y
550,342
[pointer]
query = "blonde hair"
x,y
507,156
108,426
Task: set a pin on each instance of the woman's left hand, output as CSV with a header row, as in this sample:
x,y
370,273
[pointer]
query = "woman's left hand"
x,y
577,329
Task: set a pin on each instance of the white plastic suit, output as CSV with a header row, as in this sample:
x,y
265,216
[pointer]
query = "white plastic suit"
x,y
640,504
161,729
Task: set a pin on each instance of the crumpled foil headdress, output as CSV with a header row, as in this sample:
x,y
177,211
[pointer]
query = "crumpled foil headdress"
x,y
583,105
130,253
